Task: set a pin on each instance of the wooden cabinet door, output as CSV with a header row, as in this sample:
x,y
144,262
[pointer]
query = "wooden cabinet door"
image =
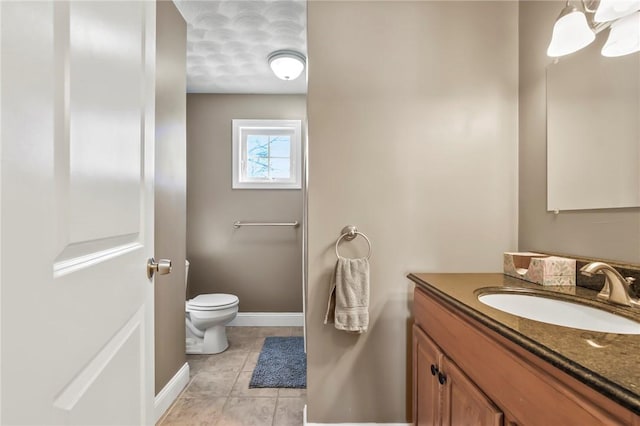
x,y
463,403
426,387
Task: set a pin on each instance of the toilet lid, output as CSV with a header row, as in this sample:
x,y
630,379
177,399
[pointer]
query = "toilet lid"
x,y
213,301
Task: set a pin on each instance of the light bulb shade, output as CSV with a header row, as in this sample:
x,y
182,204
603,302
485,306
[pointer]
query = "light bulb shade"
x,y
624,36
608,10
571,33
287,64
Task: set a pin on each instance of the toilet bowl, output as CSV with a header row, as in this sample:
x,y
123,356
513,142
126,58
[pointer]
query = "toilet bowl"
x,y
206,317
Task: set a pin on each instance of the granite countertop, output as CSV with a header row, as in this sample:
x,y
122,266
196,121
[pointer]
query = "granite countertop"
x,y
606,362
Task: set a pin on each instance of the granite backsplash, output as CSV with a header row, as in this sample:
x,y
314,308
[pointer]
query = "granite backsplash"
x,y
597,281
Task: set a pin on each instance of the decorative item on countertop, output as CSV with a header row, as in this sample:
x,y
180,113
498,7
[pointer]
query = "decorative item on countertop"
x,y
541,268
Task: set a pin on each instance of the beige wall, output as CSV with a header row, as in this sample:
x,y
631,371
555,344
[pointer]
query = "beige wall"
x,y
609,233
261,265
413,138
170,191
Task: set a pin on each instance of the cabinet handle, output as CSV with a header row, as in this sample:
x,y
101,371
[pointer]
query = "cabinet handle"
x,y
442,378
434,370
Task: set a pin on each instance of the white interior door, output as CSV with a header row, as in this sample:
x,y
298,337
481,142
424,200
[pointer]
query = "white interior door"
x,y
76,182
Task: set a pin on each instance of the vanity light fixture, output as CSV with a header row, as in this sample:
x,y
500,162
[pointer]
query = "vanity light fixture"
x,y
608,10
624,36
287,64
575,29
571,32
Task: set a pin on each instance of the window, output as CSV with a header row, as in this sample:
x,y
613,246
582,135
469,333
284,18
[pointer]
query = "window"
x,y
267,154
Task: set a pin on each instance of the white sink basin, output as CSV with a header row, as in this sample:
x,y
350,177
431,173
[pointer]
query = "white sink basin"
x,y
560,312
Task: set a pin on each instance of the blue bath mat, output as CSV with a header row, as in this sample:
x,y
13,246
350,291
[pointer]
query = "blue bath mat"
x,y
282,364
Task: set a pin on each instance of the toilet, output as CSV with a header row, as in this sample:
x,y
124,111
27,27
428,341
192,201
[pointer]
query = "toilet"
x,y
206,317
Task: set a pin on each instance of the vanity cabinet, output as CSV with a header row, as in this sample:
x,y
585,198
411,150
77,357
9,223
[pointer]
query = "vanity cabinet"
x,y
445,396
490,380
427,390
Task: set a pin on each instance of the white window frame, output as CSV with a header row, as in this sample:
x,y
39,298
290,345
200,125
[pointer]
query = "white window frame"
x,y
242,128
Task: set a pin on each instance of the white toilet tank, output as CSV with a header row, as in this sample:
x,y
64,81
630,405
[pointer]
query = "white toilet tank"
x,y
186,275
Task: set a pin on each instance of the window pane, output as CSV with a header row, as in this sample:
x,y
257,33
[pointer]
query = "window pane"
x,y
280,168
257,167
257,146
266,154
280,146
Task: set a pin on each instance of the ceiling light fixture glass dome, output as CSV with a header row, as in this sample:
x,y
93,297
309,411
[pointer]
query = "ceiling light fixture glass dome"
x,y
287,64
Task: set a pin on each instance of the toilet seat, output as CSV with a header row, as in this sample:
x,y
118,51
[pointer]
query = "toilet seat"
x,y
212,302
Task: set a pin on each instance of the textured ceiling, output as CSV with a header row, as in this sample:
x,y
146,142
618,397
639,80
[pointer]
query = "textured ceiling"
x,y
228,42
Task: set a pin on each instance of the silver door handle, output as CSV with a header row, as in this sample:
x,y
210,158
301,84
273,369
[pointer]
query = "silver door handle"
x,y
162,267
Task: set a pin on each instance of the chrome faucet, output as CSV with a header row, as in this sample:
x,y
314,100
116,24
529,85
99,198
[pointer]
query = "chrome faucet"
x,y
616,287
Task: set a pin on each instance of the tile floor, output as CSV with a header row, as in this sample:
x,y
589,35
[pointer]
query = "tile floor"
x,y
218,393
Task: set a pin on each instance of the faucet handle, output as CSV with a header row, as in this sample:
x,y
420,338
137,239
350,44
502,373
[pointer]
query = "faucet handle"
x,y
630,280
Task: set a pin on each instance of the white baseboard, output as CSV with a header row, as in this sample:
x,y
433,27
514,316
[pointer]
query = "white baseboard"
x,y
170,391
268,319
304,422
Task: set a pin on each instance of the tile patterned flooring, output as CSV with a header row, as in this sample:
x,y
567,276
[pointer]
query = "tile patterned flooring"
x,y
218,392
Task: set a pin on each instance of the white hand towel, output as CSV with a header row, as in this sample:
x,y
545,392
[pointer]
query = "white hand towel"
x,y
348,305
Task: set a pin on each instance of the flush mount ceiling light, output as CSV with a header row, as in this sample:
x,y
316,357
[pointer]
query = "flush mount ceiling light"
x,y
286,64
575,29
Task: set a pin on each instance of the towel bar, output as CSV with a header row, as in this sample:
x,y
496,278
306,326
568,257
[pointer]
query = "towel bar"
x,y
238,224
349,233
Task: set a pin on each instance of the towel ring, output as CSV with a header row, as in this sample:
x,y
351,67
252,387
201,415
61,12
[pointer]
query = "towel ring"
x,y
349,233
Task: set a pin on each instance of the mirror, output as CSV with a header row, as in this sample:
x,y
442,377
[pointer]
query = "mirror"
x,y
593,131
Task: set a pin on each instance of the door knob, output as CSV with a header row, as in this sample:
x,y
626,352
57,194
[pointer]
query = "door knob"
x,y
162,267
